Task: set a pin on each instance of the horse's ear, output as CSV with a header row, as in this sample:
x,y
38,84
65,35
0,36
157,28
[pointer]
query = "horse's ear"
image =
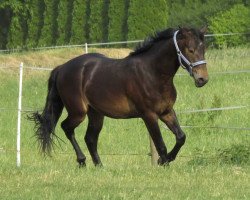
x,y
204,29
182,29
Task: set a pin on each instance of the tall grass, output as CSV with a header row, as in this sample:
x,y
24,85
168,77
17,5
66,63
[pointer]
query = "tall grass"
x,y
213,164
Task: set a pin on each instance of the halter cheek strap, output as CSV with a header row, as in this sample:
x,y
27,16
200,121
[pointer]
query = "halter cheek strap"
x,y
189,66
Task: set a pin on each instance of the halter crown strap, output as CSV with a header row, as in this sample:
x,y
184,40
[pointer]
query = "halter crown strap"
x,y
181,57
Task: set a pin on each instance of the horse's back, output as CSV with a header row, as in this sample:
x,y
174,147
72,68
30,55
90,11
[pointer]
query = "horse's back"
x,y
80,66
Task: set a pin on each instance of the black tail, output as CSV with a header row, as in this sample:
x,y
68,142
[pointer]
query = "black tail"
x,y
45,122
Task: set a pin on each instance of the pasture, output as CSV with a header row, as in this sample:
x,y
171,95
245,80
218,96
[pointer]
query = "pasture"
x,y
213,164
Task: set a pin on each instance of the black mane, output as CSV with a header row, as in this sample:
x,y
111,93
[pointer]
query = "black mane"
x,y
149,42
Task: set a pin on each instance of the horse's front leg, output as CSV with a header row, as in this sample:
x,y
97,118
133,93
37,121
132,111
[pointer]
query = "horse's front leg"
x,y
172,123
151,121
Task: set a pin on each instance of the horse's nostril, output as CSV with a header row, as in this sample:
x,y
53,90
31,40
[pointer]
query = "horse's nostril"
x,y
201,80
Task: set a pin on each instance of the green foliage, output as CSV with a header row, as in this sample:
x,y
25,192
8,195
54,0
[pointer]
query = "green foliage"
x,y
236,154
15,36
16,6
118,13
68,26
235,20
207,118
32,23
35,22
17,30
18,27
105,18
146,17
49,30
78,31
98,20
62,21
4,26
5,16
195,13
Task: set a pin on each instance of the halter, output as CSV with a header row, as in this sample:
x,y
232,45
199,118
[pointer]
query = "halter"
x,y
184,59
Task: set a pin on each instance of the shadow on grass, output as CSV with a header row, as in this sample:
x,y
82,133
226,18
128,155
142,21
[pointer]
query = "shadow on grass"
x,y
237,154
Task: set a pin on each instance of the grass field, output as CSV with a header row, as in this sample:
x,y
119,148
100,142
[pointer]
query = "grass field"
x,y
213,164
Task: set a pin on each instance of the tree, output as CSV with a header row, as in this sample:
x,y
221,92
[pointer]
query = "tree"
x,y
98,21
62,22
49,30
17,34
5,16
69,21
35,22
118,14
234,20
145,17
195,13
79,20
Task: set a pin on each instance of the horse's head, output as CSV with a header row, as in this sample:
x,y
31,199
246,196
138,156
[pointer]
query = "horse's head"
x,y
191,49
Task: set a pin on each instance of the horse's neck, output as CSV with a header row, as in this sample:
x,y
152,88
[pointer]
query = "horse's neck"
x,y
163,59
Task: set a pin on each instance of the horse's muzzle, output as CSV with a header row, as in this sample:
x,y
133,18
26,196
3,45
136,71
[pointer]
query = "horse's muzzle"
x,y
199,82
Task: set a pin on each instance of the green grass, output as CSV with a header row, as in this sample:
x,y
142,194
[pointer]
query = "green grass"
x,y
213,164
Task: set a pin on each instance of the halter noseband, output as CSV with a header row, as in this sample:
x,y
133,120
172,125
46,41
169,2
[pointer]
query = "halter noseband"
x,y
184,59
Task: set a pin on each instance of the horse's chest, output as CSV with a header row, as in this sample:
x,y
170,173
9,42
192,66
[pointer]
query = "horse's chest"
x,y
163,103
155,98
163,100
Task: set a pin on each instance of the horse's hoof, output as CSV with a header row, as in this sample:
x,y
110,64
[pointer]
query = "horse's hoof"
x,y
99,165
170,157
166,164
163,163
159,161
81,163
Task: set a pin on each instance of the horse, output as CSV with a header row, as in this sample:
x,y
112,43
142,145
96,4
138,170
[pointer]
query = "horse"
x,y
137,86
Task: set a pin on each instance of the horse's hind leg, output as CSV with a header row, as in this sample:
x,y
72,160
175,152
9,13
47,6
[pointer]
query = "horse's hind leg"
x,y
91,138
69,125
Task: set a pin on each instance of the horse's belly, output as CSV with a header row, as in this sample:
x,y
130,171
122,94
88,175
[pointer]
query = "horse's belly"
x,y
113,106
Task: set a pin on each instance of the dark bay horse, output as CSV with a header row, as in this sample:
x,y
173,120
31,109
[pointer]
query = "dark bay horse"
x,y
137,86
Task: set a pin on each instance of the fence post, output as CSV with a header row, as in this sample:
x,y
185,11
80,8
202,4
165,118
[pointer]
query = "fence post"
x,y
19,115
154,154
86,47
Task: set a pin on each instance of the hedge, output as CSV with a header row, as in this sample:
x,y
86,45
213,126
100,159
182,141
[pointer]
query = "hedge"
x,y
235,20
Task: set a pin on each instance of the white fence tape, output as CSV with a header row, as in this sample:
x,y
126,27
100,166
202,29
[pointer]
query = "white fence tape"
x,y
219,127
212,109
40,68
213,127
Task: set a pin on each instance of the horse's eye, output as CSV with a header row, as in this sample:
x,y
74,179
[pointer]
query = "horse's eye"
x,y
191,51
